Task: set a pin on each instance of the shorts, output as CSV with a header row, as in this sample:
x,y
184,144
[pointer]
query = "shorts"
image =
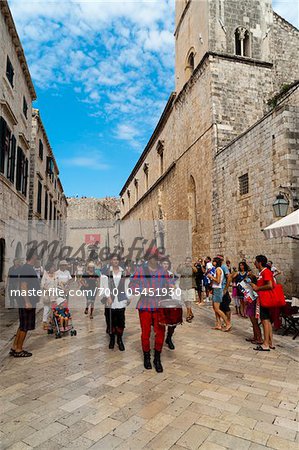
x,y
188,296
217,295
27,319
265,313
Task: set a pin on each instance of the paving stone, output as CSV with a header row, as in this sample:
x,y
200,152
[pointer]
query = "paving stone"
x,y
194,437
228,441
42,436
100,430
276,430
281,444
251,435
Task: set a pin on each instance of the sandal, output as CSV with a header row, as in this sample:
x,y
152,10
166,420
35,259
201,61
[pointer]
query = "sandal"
x,y
259,348
11,352
271,347
252,340
22,354
227,329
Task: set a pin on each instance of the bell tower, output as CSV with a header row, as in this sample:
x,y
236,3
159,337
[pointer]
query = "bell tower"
x,y
191,37
240,28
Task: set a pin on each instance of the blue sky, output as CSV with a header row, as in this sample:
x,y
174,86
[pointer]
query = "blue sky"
x,y
103,71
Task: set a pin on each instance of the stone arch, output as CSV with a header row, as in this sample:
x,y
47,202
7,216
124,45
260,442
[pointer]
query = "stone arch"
x,y
2,258
190,63
192,203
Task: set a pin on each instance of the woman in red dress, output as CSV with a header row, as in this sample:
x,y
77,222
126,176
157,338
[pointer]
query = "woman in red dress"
x,y
265,282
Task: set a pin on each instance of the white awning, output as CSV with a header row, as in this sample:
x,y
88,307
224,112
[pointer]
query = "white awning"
x,y
286,227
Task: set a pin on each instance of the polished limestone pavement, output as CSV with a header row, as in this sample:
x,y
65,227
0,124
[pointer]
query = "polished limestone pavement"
x,y
215,391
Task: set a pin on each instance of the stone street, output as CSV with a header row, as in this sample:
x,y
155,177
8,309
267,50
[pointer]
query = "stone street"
x,y
215,392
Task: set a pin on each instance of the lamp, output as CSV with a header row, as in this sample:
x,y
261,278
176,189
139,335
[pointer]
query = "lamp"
x,y
281,206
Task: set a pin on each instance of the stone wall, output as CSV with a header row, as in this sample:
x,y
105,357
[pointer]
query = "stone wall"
x,y
285,44
269,154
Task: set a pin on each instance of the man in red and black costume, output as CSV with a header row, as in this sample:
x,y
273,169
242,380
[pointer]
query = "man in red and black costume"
x,y
149,280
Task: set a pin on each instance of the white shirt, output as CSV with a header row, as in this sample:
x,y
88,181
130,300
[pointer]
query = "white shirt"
x,y
63,277
116,278
216,285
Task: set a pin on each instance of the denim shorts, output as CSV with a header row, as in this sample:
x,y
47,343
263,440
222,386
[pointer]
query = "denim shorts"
x,y
217,295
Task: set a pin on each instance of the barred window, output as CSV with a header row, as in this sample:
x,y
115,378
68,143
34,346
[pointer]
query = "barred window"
x,y
244,184
39,197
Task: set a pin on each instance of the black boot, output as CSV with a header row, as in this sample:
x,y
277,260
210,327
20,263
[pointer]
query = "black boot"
x,y
169,342
112,341
147,360
120,343
157,362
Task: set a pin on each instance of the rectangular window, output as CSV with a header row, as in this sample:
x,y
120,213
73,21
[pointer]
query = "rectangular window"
x,y
9,71
41,150
12,160
244,184
39,197
25,107
46,205
22,172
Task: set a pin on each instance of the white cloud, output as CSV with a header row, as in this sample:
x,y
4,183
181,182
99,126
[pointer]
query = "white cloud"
x,y
91,159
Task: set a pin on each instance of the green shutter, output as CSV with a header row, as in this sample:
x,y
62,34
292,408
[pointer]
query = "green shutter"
x,y
3,126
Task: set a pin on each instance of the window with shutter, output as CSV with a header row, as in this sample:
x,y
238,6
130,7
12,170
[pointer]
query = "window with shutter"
x,y
46,206
12,160
2,143
25,107
9,71
19,169
50,210
39,197
41,150
25,177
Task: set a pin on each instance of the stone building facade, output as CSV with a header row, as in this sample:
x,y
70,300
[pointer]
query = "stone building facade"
x,y
47,201
232,57
21,167
91,226
16,96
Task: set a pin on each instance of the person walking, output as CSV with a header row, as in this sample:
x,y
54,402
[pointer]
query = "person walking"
x,y
89,285
29,284
166,265
115,309
148,280
187,285
13,283
217,286
49,284
199,280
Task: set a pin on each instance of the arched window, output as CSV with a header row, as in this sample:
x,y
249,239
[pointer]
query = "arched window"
x,y
190,63
242,42
145,170
2,258
136,190
19,251
192,203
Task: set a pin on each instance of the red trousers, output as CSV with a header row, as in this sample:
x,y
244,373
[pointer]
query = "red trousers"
x,y
147,320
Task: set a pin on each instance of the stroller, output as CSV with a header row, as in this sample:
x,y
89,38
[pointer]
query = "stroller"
x,y
61,320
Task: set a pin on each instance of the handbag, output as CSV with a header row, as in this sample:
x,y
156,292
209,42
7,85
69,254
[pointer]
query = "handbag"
x,y
272,298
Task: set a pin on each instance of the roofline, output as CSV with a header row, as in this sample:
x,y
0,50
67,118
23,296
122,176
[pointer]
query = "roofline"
x,y
5,10
286,21
161,123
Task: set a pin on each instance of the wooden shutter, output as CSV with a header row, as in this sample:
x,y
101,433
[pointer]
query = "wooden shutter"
x,y
25,176
3,127
12,160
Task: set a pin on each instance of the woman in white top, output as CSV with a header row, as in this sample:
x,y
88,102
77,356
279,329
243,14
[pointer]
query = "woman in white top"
x,y
117,303
63,277
49,284
217,280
